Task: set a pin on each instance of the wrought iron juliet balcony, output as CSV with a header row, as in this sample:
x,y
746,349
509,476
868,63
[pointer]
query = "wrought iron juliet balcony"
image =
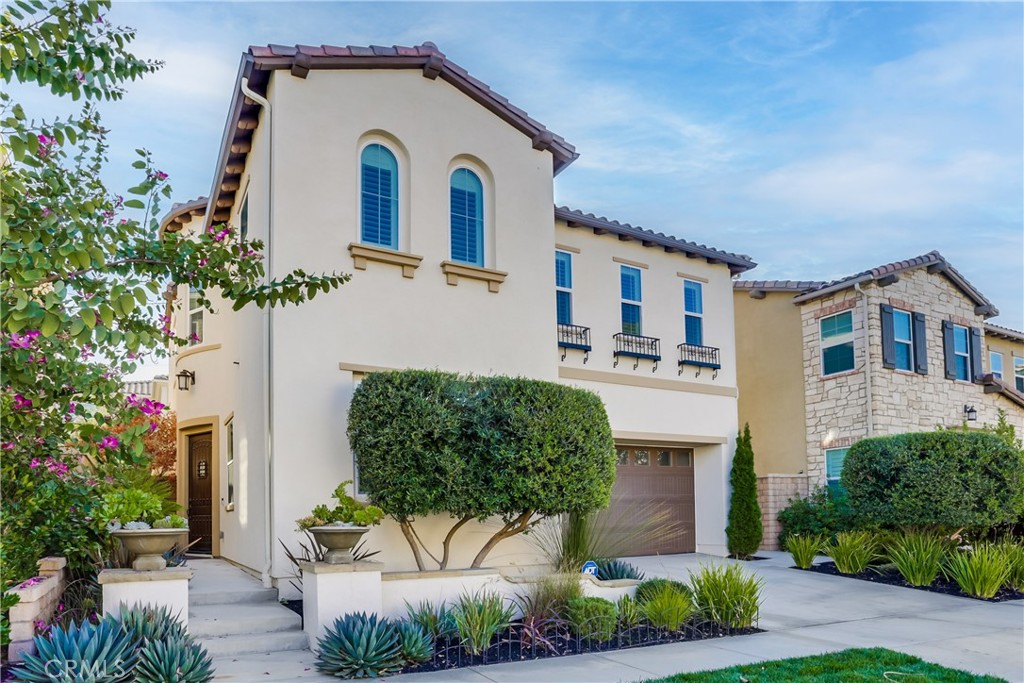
x,y
638,347
699,357
574,337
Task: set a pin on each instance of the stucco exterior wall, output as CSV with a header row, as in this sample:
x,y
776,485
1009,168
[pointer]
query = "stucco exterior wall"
x,y
1009,349
769,360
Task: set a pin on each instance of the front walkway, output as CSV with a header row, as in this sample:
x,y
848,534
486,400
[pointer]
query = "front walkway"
x,y
803,614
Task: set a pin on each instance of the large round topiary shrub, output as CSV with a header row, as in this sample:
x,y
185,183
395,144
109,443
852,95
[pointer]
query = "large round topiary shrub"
x,y
430,442
947,479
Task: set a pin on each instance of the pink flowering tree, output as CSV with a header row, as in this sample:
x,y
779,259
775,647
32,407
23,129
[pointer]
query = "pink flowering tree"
x,y
82,273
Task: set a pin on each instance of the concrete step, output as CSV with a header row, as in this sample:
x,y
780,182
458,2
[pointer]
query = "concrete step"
x,y
225,646
232,595
206,621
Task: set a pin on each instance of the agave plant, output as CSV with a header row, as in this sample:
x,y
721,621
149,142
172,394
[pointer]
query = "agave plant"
x,y
84,653
359,646
415,644
610,570
151,623
174,660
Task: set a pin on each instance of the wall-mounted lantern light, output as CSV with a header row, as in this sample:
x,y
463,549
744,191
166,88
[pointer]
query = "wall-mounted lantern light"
x,y
185,380
970,413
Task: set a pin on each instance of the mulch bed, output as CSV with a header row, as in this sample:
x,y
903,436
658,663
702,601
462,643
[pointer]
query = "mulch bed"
x,y
748,559
508,646
891,577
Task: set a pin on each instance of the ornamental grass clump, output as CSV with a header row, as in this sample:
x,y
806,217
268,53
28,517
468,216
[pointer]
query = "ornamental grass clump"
x,y
727,595
918,557
668,608
804,548
436,622
1014,551
480,617
980,572
630,612
853,551
359,646
592,618
651,587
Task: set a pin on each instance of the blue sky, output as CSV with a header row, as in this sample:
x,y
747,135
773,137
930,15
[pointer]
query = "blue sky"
x,y
820,138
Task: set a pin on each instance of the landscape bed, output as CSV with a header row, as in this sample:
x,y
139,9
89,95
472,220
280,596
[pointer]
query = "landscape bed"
x,y
847,666
891,577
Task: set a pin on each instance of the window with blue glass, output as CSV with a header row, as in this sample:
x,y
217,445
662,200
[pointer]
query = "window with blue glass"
x,y
693,303
629,279
563,286
903,336
834,459
962,352
836,343
467,217
379,190
1018,373
995,364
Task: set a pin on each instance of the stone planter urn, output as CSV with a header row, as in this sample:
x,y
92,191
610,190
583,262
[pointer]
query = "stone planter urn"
x,y
339,541
148,546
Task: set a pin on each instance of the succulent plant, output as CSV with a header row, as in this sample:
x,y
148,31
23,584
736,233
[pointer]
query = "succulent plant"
x,y
630,612
174,660
416,646
359,646
84,653
610,570
171,522
136,526
151,623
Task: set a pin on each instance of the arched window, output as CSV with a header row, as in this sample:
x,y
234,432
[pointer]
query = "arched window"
x,y
467,217
379,185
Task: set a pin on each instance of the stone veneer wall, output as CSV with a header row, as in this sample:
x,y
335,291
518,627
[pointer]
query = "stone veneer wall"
x,y
836,406
38,600
774,491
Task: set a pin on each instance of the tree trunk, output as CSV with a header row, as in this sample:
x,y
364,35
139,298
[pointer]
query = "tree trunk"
x,y
510,529
408,533
448,540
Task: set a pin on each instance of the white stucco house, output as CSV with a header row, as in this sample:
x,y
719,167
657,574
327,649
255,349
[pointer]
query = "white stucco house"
x,y
436,193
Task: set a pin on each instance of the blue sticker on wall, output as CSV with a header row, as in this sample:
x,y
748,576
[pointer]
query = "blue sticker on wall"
x,y
589,567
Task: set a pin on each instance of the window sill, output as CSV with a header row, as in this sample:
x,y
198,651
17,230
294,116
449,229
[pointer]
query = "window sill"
x,y
454,271
836,375
363,253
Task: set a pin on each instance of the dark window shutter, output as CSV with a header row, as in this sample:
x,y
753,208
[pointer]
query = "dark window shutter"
x,y
976,371
947,349
920,345
888,339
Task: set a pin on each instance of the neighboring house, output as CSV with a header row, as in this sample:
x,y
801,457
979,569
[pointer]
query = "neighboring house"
x,y
437,194
155,388
899,348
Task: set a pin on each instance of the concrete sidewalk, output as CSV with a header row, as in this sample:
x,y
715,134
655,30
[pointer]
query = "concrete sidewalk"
x,y
803,613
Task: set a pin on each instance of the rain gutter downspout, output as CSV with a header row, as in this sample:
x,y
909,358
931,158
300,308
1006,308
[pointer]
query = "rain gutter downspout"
x,y
867,360
268,359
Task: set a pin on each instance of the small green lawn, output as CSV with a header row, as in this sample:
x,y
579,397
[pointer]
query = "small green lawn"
x,y
849,666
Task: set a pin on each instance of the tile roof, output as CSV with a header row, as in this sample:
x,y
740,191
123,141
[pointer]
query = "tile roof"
x,y
737,263
1004,332
778,285
932,259
181,213
993,385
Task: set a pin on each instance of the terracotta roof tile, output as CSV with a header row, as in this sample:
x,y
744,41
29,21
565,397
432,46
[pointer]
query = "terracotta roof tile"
x,y
1004,332
312,50
778,285
335,51
283,50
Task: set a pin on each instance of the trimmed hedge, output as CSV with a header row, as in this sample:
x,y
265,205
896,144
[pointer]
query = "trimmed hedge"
x,y
949,479
430,442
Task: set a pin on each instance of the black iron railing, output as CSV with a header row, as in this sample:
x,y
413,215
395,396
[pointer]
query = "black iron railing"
x,y
638,347
699,357
574,337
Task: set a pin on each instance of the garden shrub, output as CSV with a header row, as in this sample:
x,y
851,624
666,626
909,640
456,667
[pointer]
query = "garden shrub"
x,y
824,513
744,532
980,571
651,587
853,551
479,617
727,595
804,549
918,556
946,479
592,618
668,608
430,442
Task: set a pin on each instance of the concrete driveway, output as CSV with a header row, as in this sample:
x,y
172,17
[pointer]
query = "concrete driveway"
x,y
803,614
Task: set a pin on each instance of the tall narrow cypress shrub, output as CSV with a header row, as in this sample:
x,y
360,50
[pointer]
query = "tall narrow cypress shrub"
x,y
744,531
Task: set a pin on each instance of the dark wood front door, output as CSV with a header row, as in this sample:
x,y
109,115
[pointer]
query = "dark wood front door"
x,y
200,492
662,477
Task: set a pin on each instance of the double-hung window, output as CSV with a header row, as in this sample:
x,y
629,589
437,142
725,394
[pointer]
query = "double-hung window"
x,y
834,459
995,364
467,217
231,465
563,286
629,282
195,318
379,195
693,305
836,343
1018,373
962,352
243,219
903,337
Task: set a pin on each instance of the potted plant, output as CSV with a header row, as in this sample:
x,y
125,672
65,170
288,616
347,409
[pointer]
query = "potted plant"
x,y
339,529
132,516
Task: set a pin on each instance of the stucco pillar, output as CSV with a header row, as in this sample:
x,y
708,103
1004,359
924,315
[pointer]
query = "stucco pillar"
x,y
333,590
164,588
711,466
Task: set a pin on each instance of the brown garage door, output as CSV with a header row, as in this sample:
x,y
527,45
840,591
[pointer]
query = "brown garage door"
x,y
654,475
